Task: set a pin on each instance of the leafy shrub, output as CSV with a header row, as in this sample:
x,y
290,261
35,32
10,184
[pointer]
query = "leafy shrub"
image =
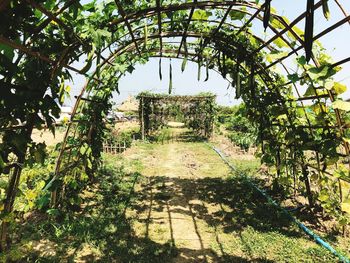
x,y
238,128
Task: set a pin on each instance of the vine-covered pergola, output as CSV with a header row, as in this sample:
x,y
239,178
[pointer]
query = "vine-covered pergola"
x,y
198,112
303,134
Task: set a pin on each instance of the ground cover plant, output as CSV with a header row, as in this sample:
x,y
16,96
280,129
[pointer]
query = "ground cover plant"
x,y
141,211
237,126
301,118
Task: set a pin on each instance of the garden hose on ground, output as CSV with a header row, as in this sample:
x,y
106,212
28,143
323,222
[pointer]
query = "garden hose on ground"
x,y
308,231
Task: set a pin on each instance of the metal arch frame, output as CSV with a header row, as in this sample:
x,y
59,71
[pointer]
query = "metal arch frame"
x,y
151,11
185,6
147,12
128,20
276,36
80,98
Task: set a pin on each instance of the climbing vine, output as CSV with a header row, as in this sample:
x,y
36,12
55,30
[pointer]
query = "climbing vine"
x,y
40,41
197,112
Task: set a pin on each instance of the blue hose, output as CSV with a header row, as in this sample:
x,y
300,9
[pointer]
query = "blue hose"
x,y
308,231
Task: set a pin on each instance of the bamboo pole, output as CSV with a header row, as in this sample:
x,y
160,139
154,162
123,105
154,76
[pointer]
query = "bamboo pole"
x,y
142,121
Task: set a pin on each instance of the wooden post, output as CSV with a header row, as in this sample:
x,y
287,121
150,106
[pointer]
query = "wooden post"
x,y
307,185
13,185
142,121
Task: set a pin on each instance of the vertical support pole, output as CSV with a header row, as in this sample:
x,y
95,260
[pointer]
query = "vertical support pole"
x,y
307,185
142,121
294,171
13,184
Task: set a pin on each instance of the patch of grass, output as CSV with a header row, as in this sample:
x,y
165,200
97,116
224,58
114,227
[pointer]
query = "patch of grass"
x,y
154,202
247,167
101,232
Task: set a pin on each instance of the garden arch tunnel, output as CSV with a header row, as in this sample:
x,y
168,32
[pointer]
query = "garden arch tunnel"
x,y
45,39
196,112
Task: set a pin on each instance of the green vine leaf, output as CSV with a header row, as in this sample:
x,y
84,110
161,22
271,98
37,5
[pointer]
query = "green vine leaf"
x,y
293,77
279,42
7,51
345,206
2,163
273,56
237,15
301,61
341,105
339,88
201,15
318,73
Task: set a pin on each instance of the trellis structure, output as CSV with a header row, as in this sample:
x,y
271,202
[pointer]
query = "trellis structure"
x,y
301,134
198,112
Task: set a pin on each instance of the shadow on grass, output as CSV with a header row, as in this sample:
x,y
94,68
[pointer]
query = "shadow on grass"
x,y
101,232
246,206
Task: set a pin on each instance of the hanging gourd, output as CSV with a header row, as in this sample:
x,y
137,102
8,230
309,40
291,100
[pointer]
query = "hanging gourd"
x,y
224,68
267,12
238,81
145,35
219,62
252,80
88,61
200,59
160,69
199,70
309,29
98,59
207,70
325,9
170,77
184,61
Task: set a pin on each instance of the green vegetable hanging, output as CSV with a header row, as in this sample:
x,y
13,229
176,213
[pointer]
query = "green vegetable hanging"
x,y
88,61
224,68
219,62
98,59
207,70
325,8
184,61
252,80
238,82
170,77
200,59
267,12
145,35
309,29
183,65
199,70
160,69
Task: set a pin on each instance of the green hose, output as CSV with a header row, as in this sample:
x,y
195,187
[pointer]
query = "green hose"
x,y
308,231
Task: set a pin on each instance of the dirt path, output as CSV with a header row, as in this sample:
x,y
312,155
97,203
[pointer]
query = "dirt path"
x,y
171,203
187,202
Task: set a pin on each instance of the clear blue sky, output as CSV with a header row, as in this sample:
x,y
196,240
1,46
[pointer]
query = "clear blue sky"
x,y
146,77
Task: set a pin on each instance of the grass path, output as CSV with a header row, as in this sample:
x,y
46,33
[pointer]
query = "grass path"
x,y
189,201
176,202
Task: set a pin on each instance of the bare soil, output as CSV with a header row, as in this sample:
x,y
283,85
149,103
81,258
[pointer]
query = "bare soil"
x,y
186,201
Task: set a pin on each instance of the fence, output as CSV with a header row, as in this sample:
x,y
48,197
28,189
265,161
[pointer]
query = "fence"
x,y
114,148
